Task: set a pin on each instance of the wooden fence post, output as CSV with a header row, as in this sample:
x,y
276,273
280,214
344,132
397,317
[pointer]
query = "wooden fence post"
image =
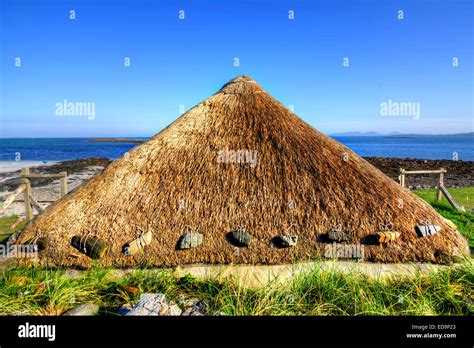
x,y
27,194
11,198
449,198
402,177
439,193
63,183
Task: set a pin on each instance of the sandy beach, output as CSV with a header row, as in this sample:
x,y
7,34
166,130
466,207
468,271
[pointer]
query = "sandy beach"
x,y
13,166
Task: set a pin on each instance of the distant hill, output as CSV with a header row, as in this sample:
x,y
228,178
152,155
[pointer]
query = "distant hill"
x,y
396,134
357,134
433,135
115,140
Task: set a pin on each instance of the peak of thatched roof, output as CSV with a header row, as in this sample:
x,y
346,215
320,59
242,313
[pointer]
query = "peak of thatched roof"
x,y
241,85
242,78
228,178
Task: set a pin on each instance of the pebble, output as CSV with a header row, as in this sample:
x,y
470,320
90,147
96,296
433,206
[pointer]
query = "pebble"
x,y
194,307
88,309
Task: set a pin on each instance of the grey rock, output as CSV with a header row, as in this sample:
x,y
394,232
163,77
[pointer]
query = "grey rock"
x,y
240,238
88,309
190,240
286,240
197,309
154,305
338,236
187,302
192,312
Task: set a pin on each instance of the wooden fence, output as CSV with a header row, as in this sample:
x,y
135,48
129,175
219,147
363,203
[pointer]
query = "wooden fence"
x,y
441,189
25,188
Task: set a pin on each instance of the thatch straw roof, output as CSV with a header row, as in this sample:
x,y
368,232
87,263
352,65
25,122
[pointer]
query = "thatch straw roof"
x,y
293,180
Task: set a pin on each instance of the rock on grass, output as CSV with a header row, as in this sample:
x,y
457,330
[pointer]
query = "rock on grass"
x,y
154,305
88,309
193,307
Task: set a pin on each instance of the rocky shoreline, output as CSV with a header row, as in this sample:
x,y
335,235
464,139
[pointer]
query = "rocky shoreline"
x,y
459,173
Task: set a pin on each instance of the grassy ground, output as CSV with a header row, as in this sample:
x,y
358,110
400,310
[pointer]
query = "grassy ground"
x,y
5,227
318,292
464,197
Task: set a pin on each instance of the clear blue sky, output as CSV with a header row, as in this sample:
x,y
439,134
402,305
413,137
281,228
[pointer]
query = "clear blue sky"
x,y
180,62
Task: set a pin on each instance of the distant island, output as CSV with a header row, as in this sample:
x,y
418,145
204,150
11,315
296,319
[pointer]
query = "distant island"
x,y
346,134
115,140
363,134
396,134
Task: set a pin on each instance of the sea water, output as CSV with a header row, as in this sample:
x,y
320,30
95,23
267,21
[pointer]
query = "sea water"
x,y
424,147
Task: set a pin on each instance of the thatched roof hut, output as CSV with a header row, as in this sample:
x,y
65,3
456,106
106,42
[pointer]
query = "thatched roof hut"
x,y
239,161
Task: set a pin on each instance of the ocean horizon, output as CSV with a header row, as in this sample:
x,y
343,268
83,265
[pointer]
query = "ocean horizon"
x,y
420,147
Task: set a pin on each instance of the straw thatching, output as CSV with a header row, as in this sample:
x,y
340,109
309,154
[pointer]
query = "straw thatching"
x,y
293,181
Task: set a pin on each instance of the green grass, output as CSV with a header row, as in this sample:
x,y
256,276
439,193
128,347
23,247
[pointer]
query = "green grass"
x,y
5,227
318,292
463,220
464,197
